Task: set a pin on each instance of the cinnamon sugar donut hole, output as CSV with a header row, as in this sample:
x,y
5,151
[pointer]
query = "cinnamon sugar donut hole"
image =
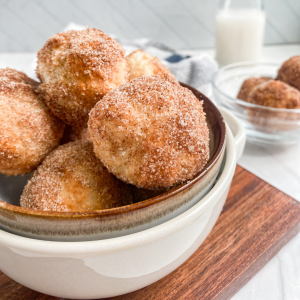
x,y
289,72
77,68
141,63
150,133
72,178
15,76
275,93
249,84
29,130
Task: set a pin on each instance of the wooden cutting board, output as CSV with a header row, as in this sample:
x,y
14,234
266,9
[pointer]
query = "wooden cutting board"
x,y
256,222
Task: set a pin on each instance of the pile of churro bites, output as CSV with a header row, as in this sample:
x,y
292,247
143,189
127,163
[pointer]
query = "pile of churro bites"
x,y
284,92
100,130
276,101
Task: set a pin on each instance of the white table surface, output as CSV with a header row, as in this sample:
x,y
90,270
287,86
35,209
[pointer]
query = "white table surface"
x,y
280,278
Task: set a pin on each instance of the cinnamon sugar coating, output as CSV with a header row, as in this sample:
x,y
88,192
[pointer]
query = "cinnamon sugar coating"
x,y
290,72
29,130
141,63
77,68
150,133
72,178
249,84
16,76
275,93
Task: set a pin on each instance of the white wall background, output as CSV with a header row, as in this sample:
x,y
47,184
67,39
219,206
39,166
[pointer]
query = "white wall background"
x,y
181,24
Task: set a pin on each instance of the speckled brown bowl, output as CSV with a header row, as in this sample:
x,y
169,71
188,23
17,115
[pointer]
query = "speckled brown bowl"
x,y
103,224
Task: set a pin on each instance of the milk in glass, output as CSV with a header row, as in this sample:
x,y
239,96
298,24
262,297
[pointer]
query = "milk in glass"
x,y
239,35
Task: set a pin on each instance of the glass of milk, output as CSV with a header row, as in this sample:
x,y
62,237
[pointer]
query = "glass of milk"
x,y
240,27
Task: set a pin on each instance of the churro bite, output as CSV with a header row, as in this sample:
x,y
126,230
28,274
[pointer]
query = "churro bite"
x,y
141,63
275,93
15,76
77,68
150,133
290,72
29,130
249,84
72,178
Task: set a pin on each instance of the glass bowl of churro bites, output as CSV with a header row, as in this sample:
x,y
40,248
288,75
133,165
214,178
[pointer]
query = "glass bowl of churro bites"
x,y
265,97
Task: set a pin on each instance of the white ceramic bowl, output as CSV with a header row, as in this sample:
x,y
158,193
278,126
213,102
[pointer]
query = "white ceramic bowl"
x,y
111,267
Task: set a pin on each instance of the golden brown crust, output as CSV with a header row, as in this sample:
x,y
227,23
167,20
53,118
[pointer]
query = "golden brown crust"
x,y
141,63
77,68
29,131
72,178
16,76
275,93
290,72
150,133
248,85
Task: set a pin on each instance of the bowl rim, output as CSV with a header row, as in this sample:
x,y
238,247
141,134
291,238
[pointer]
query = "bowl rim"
x,y
109,246
242,102
142,204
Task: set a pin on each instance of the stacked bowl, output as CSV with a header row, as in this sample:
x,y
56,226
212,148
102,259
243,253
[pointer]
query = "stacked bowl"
x,y
111,252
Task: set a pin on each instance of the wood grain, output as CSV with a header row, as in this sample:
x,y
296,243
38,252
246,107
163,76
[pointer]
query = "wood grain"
x,y
257,220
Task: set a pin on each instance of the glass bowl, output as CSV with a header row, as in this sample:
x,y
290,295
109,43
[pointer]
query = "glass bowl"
x,y
264,125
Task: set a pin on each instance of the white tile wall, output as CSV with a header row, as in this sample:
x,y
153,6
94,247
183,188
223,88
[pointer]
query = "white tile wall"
x,y
181,24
